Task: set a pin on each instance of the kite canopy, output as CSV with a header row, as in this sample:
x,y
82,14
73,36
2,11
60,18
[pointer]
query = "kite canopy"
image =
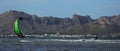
x,y
17,29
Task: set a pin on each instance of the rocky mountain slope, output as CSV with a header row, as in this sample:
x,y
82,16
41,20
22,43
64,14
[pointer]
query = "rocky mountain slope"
x,y
48,24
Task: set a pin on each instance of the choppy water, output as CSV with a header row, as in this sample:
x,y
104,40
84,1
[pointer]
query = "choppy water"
x,y
58,45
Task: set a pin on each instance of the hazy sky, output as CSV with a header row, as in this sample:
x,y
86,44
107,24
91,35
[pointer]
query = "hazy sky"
x,y
63,8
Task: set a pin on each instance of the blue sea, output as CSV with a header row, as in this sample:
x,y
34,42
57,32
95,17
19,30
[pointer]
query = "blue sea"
x,y
22,44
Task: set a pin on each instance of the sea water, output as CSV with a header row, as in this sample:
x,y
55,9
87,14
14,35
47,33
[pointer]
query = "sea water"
x,y
18,44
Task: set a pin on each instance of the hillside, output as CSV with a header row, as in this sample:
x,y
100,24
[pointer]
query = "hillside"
x,y
78,24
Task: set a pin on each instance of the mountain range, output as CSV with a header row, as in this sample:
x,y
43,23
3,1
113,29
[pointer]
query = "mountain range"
x,y
77,24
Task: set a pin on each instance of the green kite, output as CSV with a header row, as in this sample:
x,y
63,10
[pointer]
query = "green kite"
x,y
17,28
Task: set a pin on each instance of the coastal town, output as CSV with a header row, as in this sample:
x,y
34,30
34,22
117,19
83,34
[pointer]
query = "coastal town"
x,y
62,36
